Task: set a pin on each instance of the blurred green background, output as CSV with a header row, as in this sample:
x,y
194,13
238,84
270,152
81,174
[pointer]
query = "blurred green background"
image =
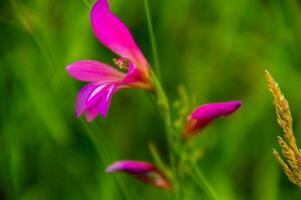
x,y
217,49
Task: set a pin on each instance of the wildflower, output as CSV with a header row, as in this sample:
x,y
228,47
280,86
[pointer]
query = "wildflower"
x,y
143,171
290,150
104,80
202,116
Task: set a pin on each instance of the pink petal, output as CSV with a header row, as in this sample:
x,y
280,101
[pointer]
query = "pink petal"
x,y
112,33
95,98
143,171
88,70
214,110
104,103
91,113
202,116
82,98
132,167
133,76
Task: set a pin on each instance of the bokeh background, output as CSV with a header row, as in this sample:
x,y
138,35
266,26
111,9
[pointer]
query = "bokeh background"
x,y
218,50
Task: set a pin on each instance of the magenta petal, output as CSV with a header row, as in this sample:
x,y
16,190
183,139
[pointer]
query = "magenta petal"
x,y
82,98
214,110
114,34
202,116
91,113
134,75
88,70
104,103
132,167
143,171
95,98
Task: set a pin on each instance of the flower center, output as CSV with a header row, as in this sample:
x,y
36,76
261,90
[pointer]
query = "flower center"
x,y
122,63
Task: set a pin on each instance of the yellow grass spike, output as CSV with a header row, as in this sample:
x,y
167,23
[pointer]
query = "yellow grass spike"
x,y
291,165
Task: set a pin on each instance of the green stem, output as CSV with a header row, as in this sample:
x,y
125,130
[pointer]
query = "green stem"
x,y
87,4
202,182
152,39
163,107
162,100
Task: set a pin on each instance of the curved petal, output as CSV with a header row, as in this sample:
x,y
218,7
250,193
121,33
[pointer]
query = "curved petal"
x,y
136,79
202,116
91,113
143,171
214,110
82,99
104,102
112,33
89,70
134,75
132,167
95,98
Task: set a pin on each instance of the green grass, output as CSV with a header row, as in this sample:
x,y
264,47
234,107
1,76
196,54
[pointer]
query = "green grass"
x,y
217,49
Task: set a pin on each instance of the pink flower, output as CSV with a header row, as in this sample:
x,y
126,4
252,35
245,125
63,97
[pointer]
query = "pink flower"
x,y
104,80
143,171
202,116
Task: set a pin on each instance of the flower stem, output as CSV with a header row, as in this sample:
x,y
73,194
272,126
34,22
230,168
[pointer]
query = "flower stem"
x,y
202,182
163,107
87,4
162,101
152,39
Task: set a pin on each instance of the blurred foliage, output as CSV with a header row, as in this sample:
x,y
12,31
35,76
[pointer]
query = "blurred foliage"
x,y
217,49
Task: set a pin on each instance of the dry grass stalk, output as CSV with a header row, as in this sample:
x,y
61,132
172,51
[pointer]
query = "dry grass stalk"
x,y
292,164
